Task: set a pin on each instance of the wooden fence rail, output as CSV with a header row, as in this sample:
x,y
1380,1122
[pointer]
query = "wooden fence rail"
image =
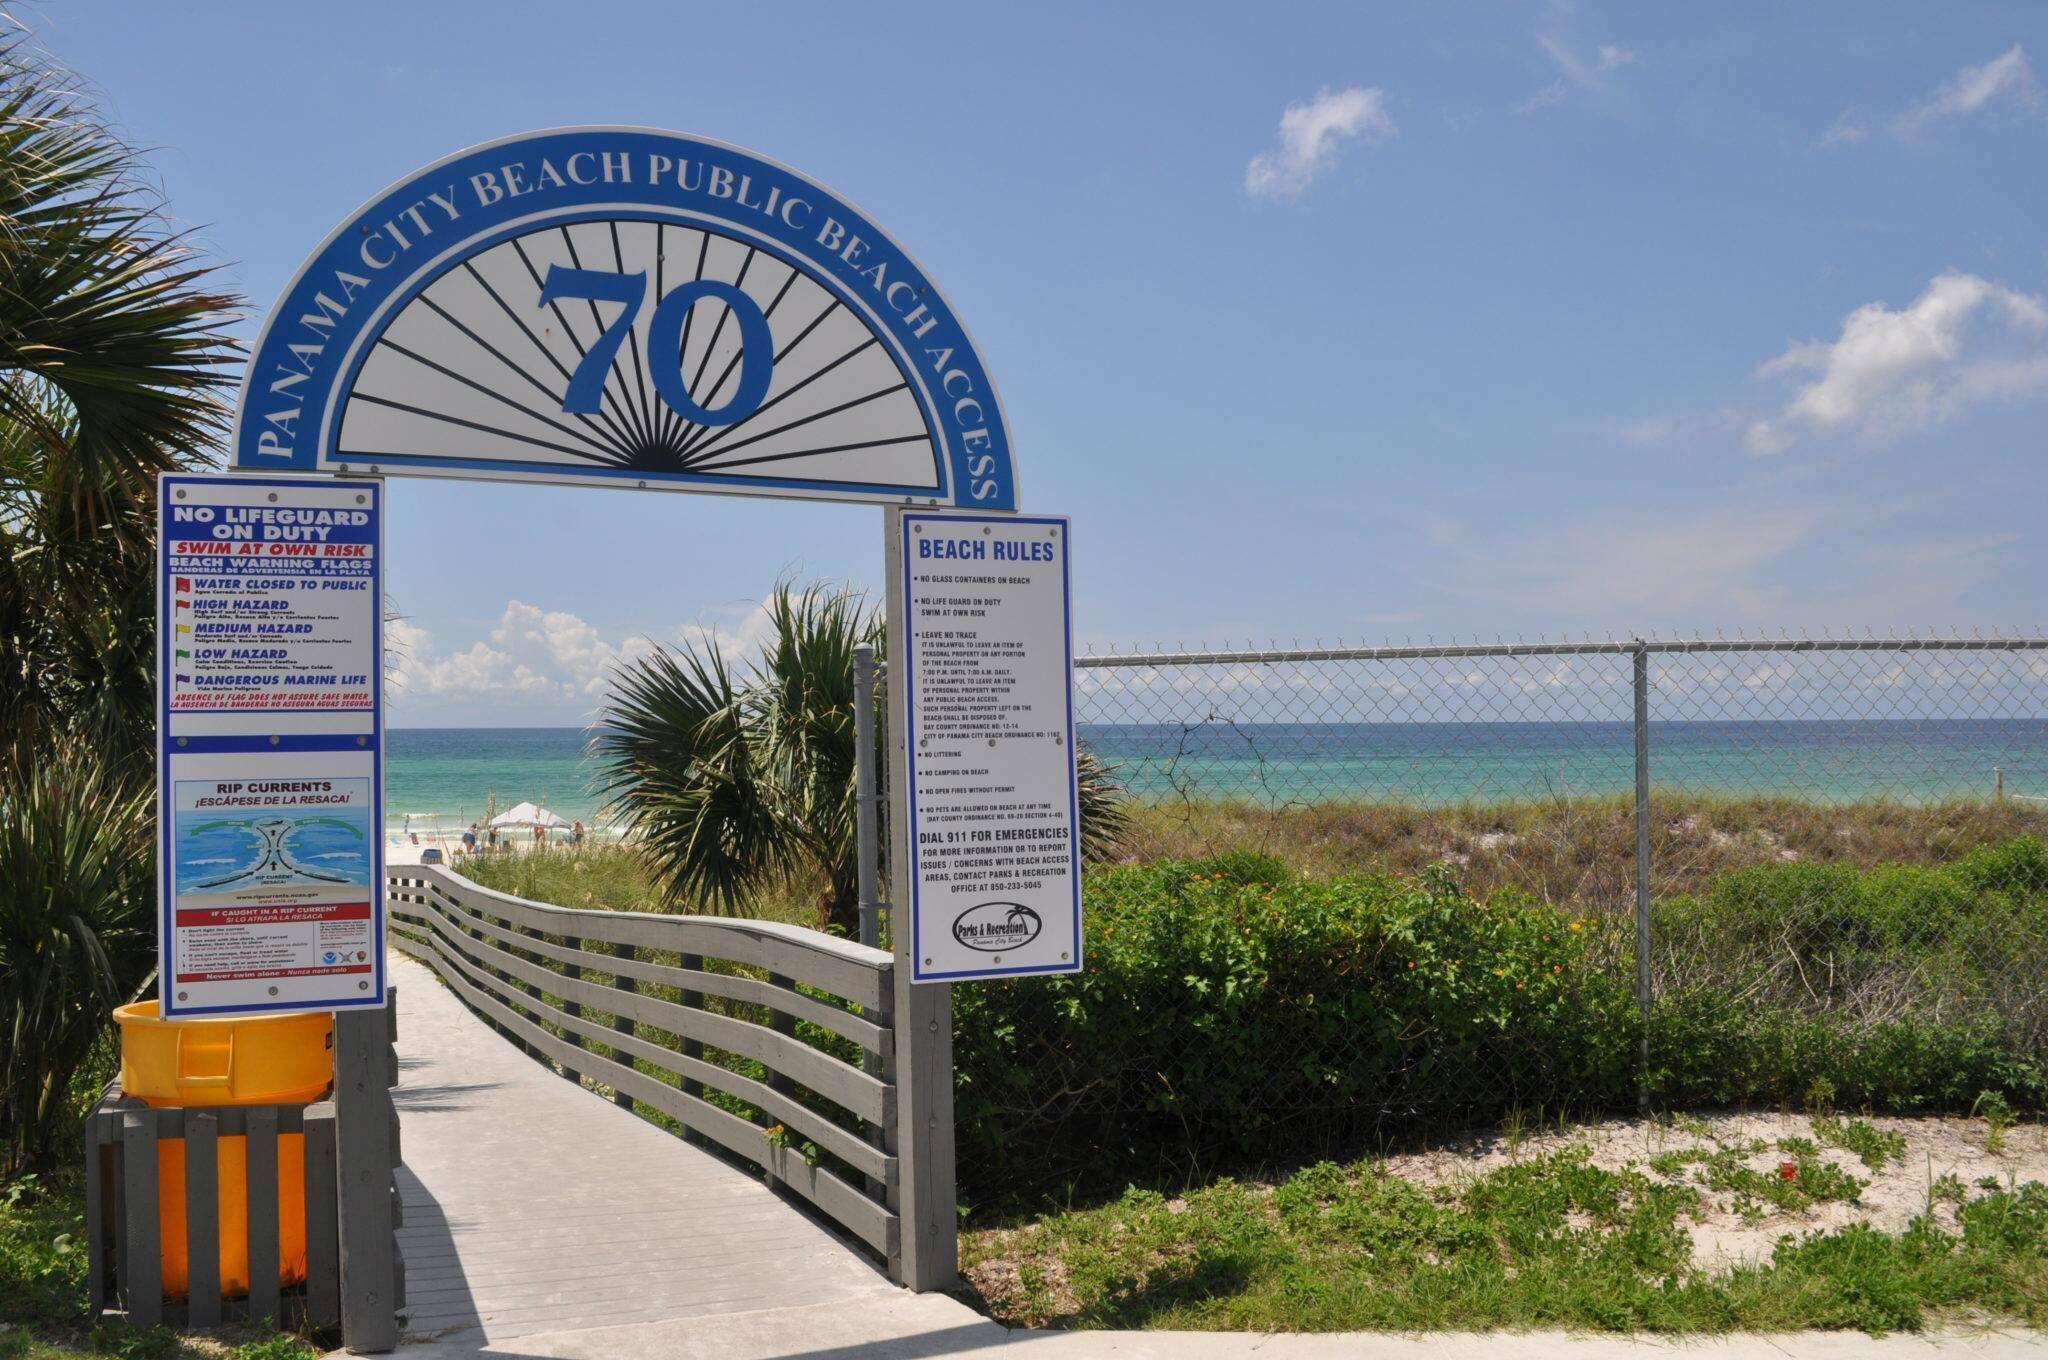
x,y
743,1055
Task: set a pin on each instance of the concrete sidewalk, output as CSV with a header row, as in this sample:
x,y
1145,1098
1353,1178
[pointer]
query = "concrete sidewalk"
x,y
902,1326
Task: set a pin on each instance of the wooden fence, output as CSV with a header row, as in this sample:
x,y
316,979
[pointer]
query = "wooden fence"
x,y
355,1279
772,1042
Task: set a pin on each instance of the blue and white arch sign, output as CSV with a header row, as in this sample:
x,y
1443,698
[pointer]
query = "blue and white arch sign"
x,y
623,306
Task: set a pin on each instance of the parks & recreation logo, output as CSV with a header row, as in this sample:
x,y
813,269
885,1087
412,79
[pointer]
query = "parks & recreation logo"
x,y
993,927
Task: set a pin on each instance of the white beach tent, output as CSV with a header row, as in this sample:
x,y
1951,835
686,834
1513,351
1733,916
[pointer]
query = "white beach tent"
x,y
526,814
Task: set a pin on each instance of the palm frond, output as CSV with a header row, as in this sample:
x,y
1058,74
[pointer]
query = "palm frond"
x,y
732,784
674,758
77,926
113,368
99,296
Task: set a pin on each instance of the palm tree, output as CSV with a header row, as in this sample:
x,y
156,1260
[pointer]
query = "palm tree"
x,y
112,363
113,357
735,781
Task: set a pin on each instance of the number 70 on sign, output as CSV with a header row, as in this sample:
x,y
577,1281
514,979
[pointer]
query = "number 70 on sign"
x,y
664,341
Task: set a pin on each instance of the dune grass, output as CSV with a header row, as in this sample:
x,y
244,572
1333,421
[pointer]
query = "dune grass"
x,y
1553,1241
610,876
1575,853
1580,852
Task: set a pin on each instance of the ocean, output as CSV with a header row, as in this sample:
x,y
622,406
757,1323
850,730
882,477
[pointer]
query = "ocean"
x,y
440,778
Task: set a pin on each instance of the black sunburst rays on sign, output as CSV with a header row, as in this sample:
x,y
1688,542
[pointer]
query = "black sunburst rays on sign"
x,y
483,362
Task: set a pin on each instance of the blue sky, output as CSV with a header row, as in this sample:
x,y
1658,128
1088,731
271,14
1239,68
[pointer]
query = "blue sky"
x,y
1321,320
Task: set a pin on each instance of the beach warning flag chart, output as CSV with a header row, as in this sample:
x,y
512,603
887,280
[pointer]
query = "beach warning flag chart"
x,y
269,759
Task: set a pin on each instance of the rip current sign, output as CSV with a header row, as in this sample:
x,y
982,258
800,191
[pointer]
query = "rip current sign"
x,y
270,859
995,883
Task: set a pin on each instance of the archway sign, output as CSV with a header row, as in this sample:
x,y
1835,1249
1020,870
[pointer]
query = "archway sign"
x,y
620,307
625,306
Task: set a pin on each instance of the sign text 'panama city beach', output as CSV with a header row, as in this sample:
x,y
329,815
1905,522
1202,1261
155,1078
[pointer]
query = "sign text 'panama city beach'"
x,y
391,244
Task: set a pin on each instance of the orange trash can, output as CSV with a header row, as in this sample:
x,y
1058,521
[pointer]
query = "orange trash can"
x,y
236,1060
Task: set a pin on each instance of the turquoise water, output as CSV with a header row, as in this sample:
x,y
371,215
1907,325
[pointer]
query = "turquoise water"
x,y
1823,761
441,777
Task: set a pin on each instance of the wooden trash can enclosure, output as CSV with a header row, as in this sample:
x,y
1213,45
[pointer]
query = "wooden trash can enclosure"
x,y
201,1214
242,1062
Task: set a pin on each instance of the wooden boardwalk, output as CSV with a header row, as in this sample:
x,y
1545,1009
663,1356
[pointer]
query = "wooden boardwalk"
x,y
533,1205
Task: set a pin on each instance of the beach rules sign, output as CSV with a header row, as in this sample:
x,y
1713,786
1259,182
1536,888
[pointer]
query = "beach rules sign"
x,y
270,744
986,622
625,307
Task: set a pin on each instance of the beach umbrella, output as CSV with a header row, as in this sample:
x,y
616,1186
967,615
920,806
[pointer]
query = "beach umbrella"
x,y
527,814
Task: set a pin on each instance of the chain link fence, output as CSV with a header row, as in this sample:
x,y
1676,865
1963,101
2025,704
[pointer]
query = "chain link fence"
x,y
1791,871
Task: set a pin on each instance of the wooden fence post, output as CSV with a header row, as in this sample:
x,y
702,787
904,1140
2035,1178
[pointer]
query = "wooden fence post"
x,y
142,1262
261,1181
692,1048
623,1023
572,1009
323,1205
362,1101
202,1218
927,1198
96,1205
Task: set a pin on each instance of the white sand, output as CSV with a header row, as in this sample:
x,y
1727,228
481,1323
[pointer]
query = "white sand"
x,y
1722,1236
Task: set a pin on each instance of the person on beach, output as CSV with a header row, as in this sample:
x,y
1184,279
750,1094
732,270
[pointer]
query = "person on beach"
x,y
469,839
576,832
540,835
494,838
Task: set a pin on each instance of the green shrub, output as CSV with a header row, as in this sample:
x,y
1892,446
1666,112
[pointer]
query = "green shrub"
x,y
1717,1048
1236,1014
77,935
1832,910
1874,1145
42,1251
1232,1013
2018,867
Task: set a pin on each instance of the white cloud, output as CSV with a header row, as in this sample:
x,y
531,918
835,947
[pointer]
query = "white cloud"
x,y
1964,343
1847,130
1549,97
2006,78
1576,71
539,659
563,646
1643,566
1311,136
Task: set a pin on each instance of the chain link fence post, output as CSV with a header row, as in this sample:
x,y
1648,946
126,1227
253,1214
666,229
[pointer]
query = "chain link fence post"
x,y
1642,728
